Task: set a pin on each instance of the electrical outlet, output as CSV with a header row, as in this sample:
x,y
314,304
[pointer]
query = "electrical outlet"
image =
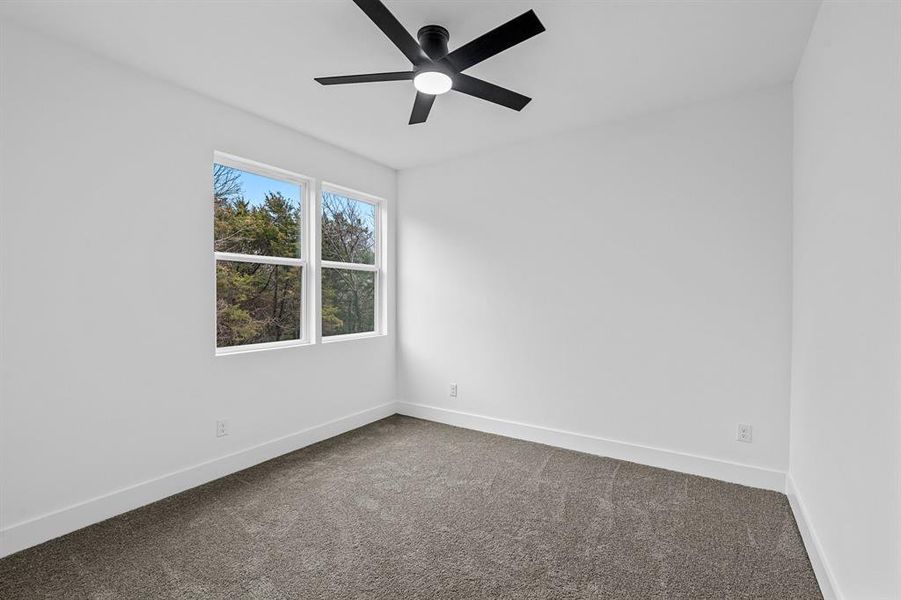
x,y
221,427
744,433
453,390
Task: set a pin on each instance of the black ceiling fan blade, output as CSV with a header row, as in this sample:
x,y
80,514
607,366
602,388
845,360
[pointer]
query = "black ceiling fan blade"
x,y
490,92
392,28
495,41
366,78
421,107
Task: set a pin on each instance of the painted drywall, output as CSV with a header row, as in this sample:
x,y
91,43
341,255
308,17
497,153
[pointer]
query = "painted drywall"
x,y
845,402
108,377
629,282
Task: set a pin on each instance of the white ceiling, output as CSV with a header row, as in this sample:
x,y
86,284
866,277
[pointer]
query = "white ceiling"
x,y
597,61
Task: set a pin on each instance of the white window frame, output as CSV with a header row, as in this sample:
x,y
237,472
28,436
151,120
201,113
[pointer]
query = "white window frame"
x,y
308,325
377,267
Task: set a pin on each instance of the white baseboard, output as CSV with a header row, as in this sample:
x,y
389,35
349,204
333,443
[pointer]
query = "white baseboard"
x,y
19,536
821,569
732,472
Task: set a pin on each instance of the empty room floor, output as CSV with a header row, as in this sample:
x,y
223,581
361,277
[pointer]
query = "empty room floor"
x,y
405,508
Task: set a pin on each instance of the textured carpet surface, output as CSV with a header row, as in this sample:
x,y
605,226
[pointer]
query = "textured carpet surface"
x,y
405,508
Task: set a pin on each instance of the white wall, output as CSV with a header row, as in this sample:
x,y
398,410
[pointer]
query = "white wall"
x,y
108,373
846,406
630,282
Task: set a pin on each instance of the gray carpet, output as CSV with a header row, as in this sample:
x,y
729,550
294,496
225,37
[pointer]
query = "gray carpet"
x,y
405,508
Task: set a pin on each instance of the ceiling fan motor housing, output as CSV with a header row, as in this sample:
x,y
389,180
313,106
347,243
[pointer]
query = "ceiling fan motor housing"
x,y
433,39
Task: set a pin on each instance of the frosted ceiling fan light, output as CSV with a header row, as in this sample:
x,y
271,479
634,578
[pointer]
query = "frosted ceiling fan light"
x,y
432,82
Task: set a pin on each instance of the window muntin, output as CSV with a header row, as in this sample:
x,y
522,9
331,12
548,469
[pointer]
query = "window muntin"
x,y
259,246
351,263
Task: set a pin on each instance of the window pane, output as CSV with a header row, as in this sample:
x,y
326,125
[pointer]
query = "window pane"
x,y
255,214
256,303
348,229
348,301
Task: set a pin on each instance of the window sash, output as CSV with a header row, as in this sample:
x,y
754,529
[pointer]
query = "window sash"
x,y
374,201
376,267
376,301
305,184
306,262
305,336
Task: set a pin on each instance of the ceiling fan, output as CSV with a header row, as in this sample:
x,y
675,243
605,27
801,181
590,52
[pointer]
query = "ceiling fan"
x,y
435,70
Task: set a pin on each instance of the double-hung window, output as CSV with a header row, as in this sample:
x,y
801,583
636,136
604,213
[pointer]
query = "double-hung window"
x,y
261,252
268,276
351,263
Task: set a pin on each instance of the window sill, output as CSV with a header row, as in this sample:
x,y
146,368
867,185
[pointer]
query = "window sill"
x,y
230,350
352,336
